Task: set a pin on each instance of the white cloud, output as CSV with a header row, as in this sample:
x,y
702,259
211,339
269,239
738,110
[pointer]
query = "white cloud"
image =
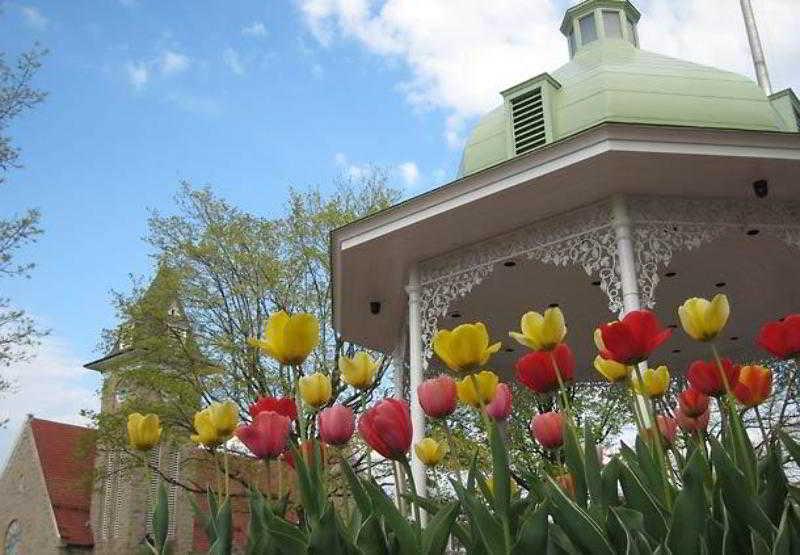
x,y
171,62
255,29
461,53
138,74
233,61
53,385
356,171
34,17
409,172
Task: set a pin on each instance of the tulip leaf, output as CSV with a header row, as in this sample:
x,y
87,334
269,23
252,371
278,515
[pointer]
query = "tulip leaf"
x,y
791,446
290,539
404,532
639,498
484,525
574,460
161,518
356,489
737,498
609,478
532,535
370,537
501,477
436,534
324,536
257,532
743,453
223,527
576,522
650,469
592,467
625,528
787,542
558,542
774,485
688,522
309,488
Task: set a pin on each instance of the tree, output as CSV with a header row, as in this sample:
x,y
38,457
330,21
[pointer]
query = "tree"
x,y
18,333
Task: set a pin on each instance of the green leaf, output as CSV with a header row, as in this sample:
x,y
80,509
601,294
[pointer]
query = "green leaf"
x,y
688,522
532,536
406,534
161,518
324,536
774,486
370,538
639,498
257,532
574,459
359,495
224,530
592,468
484,525
650,468
609,478
309,487
435,536
500,475
623,527
791,446
290,539
744,454
576,522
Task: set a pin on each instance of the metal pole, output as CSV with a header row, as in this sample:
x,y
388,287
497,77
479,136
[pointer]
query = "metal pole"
x,y
757,51
415,378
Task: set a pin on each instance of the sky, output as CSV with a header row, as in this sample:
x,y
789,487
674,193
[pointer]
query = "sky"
x,y
253,97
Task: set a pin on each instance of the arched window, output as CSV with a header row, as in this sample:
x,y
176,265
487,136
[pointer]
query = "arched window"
x,y
13,538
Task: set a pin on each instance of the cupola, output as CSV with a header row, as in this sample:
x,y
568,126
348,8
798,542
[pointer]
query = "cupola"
x,y
599,20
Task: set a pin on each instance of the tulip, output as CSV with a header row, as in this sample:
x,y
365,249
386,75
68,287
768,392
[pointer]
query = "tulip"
x,y
692,423
285,406
465,348
567,484
486,383
386,428
754,385
358,371
781,338
548,429
513,488
429,451
224,417
692,402
336,424
438,396
541,333
307,450
266,436
632,339
315,389
288,339
654,382
537,372
612,370
500,407
702,319
206,431
705,376
668,427
144,432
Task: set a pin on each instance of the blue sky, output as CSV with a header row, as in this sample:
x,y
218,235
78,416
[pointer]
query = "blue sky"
x,y
252,97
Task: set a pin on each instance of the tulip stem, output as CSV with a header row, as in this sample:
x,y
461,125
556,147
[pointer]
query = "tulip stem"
x,y
561,388
651,415
227,475
764,435
407,467
451,444
786,396
722,373
268,464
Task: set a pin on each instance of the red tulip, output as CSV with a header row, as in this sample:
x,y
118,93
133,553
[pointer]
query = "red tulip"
x,y
668,427
336,424
282,405
705,376
266,436
307,449
386,428
632,339
437,396
692,423
567,484
754,385
500,407
548,429
692,402
536,371
781,338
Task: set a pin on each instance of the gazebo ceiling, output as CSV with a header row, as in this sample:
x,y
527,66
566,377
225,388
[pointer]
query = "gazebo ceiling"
x,y
371,258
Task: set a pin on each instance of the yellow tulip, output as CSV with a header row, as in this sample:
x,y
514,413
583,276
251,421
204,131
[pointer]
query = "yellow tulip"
x,y
206,431
358,371
315,389
143,431
703,319
513,487
288,339
655,382
487,385
429,451
611,369
465,348
541,333
224,417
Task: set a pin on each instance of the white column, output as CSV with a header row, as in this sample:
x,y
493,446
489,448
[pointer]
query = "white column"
x,y
398,369
415,377
626,265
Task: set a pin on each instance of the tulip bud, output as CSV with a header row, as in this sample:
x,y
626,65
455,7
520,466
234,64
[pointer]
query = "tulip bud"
x,y
358,371
537,372
548,429
429,451
654,382
612,370
701,319
315,389
478,390
781,338
541,333
386,428
144,432
288,339
668,427
706,377
266,436
754,385
567,484
224,417
632,339
692,402
437,396
465,348
336,424
692,423
500,407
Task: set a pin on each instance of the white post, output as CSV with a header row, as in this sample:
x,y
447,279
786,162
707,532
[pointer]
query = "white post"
x,y
398,369
626,261
756,50
415,378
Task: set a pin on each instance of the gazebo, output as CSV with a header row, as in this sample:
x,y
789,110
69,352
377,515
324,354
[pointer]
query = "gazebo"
x,y
623,179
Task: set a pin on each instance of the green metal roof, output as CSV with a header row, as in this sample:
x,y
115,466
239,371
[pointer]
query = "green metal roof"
x,y
611,80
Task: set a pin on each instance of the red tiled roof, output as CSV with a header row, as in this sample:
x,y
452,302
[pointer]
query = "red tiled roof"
x,y
67,455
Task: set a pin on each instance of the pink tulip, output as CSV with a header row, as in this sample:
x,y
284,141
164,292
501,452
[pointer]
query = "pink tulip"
x,y
437,396
500,407
386,427
692,423
336,424
668,427
548,429
266,436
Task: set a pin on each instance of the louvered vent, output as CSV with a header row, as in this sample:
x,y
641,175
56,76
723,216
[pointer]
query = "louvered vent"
x,y
527,119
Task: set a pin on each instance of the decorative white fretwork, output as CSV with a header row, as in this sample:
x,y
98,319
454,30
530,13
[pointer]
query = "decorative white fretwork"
x,y
585,237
